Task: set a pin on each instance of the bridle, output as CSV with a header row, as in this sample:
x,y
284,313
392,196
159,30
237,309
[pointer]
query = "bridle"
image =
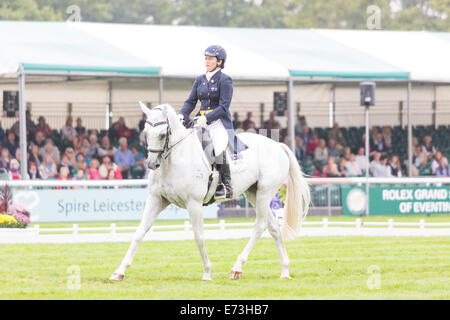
x,y
166,149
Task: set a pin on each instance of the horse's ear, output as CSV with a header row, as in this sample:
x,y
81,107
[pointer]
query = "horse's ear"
x,y
144,109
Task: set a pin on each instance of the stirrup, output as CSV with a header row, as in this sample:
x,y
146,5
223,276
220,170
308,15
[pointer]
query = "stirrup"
x,y
226,194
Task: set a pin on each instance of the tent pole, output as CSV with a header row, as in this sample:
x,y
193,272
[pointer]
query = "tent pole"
x,y
291,132
22,125
109,111
410,164
161,87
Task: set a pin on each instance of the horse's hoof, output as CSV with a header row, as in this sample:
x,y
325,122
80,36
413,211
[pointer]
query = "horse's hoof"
x,y
117,277
235,275
285,277
206,278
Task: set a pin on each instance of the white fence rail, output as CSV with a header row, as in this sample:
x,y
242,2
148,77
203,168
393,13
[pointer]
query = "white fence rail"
x,y
143,182
221,230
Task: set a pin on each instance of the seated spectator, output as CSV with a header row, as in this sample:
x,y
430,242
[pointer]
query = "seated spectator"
x,y
271,123
251,127
80,175
435,163
394,165
84,152
141,124
428,146
378,144
123,129
347,153
319,171
305,135
79,128
107,165
139,161
353,167
380,167
70,153
111,174
94,174
113,132
84,142
337,136
34,172
420,157
39,139
343,171
5,159
2,133
236,122
48,167
63,175
43,128
124,157
333,171
300,150
333,150
247,121
34,155
372,138
82,166
51,149
375,161
321,152
11,144
442,170
387,137
104,147
14,169
301,122
93,147
76,144
312,143
65,162
68,132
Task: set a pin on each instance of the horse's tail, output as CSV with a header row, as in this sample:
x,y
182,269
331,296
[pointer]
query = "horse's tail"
x,y
298,198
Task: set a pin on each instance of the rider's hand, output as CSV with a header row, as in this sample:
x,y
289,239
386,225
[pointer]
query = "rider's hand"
x,y
181,118
200,121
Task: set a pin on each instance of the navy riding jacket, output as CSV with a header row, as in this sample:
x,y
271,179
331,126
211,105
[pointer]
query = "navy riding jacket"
x,y
215,98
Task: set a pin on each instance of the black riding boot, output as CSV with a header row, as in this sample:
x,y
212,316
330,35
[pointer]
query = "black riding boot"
x,y
224,189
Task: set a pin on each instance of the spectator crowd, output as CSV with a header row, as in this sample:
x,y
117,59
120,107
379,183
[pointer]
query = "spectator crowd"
x,y
73,152
329,154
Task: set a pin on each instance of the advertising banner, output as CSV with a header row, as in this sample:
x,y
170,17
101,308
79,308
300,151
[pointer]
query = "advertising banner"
x,y
96,205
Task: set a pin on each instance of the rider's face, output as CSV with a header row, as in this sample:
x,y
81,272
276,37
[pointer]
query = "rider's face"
x,y
210,63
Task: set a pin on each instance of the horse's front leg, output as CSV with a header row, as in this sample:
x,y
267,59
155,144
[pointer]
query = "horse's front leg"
x,y
195,209
153,206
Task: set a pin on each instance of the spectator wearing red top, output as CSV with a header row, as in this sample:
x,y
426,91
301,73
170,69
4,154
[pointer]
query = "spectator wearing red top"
x,y
14,164
43,127
63,175
94,174
312,143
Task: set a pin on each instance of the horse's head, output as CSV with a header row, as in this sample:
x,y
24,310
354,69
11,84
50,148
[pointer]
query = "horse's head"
x,y
159,127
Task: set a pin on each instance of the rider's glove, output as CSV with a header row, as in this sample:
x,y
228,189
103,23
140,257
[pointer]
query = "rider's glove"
x,y
200,121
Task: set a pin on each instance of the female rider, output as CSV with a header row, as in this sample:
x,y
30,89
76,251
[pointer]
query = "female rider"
x,y
215,90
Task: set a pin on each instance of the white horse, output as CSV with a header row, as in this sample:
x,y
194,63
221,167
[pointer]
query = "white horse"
x,y
180,175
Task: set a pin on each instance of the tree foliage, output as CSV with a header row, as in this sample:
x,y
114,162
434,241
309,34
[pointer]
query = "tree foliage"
x,y
431,15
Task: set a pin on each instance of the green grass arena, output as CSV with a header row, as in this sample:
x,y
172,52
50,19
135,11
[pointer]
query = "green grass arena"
x,y
321,268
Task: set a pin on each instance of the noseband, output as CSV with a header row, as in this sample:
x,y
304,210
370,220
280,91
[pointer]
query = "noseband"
x,y
166,148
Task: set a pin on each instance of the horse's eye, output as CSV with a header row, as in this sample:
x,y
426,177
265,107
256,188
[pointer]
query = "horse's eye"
x,y
162,135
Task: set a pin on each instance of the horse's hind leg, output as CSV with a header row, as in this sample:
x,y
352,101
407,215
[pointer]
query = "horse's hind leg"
x,y
275,232
260,200
153,206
